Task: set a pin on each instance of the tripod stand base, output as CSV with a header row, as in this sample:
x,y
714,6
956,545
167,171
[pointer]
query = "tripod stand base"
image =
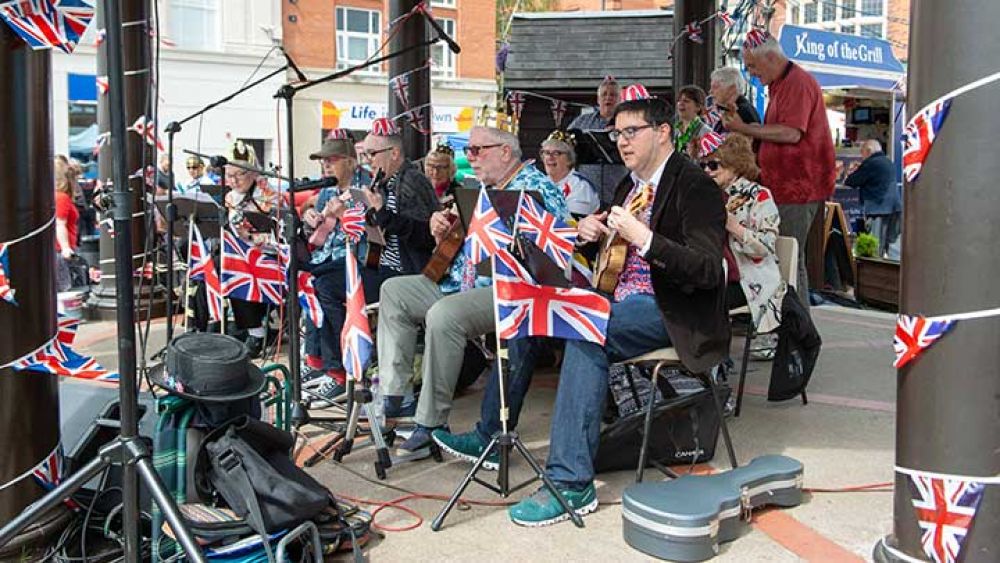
x,y
502,443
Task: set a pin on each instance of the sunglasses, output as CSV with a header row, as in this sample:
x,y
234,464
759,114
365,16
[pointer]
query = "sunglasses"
x,y
474,150
711,165
193,167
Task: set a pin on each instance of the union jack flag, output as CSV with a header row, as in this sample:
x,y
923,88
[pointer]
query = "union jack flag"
x,y
308,299
352,222
249,274
487,233
50,473
558,111
57,358
45,24
726,19
66,331
147,130
516,101
914,334
356,341
201,267
6,291
945,510
548,232
919,135
693,31
399,84
102,84
525,308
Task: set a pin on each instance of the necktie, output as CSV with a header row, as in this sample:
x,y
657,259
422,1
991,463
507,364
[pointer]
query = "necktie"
x,y
643,198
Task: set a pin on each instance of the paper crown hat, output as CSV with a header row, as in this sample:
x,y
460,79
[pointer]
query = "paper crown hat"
x,y
755,38
242,153
709,143
384,127
562,137
633,92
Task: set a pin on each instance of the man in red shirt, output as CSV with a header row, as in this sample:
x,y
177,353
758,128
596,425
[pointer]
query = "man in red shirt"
x,y
796,154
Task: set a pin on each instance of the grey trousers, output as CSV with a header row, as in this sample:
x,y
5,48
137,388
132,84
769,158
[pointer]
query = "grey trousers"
x,y
450,321
796,218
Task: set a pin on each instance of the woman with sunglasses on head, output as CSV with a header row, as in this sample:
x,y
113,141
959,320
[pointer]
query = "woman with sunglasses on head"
x,y
559,157
752,226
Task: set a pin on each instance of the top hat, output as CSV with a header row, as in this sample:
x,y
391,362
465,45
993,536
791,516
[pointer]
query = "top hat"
x,y
208,367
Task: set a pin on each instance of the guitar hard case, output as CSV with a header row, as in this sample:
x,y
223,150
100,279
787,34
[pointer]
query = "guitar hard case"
x,y
686,519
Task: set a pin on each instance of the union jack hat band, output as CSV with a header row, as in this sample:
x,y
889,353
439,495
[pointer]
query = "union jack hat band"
x,y
384,127
755,38
709,143
633,92
338,135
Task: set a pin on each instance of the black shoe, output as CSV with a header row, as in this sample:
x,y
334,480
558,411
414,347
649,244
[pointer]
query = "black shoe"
x,y
255,345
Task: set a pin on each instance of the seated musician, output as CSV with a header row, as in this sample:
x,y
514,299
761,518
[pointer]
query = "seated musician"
x,y
559,157
400,205
439,167
670,293
752,220
249,193
458,308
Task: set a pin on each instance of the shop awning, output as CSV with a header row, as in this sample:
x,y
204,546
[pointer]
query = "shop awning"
x,y
829,81
842,61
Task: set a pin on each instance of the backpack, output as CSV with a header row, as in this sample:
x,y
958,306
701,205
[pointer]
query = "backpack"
x,y
798,348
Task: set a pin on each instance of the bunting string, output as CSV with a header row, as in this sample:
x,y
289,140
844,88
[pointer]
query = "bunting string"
x,y
35,232
30,472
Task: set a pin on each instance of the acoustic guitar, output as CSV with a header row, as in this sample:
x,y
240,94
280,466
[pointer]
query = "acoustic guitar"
x,y
614,249
448,248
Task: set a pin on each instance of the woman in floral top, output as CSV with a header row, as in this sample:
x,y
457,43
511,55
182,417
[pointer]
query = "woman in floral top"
x,y
752,225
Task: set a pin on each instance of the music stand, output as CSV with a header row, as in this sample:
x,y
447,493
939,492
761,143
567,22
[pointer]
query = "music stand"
x,y
595,147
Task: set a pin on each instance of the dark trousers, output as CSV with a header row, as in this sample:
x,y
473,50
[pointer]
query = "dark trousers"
x,y
247,314
331,290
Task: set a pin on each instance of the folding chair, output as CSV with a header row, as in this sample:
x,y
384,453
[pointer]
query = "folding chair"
x,y
661,358
787,249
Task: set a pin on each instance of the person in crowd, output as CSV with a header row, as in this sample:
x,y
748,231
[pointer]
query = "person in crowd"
x,y
880,201
67,219
670,293
689,126
796,154
604,176
752,221
196,170
458,308
249,193
727,95
439,166
559,158
399,206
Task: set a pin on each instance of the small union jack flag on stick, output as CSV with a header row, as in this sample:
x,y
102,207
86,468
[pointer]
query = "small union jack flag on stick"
x,y
919,135
249,274
356,342
352,222
308,299
487,233
549,233
201,267
945,509
914,334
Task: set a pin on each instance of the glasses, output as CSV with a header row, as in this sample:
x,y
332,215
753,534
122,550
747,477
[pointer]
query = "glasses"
x,y
436,166
551,152
194,167
474,150
711,165
627,133
371,154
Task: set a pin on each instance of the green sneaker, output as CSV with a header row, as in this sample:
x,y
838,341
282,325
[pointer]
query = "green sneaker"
x,y
542,509
468,446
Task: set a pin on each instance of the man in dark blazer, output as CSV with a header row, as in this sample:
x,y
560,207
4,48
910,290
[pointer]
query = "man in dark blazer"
x,y
671,293
880,201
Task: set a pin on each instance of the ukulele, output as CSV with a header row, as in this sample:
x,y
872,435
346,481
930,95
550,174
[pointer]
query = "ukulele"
x,y
614,251
449,247
374,235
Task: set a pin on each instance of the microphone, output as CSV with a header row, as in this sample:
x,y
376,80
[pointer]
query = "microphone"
x,y
291,63
302,186
441,34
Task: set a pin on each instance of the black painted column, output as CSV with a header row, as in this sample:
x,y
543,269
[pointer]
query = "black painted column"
x,y
29,402
694,63
413,31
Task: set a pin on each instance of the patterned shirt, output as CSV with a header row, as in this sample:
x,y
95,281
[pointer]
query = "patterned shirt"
x,y
636,277
333,249
390,257
528,178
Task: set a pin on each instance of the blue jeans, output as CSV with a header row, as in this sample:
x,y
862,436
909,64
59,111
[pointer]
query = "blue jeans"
x,y
634,328
523,354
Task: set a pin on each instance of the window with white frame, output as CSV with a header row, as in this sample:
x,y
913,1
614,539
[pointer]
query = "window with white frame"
x,y
809,14
856,17
194,24
829,10
359,33
443,3
871,30
444,59
872,7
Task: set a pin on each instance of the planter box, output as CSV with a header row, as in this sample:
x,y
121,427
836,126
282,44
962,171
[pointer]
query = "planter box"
x,y
878,283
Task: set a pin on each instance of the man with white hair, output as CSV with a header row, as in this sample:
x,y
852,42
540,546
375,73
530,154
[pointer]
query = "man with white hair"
x,y
457,308
727,92
880,201
796,155
604,176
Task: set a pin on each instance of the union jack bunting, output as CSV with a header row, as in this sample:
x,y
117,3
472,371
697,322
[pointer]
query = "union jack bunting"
x,y
525,308
102,84
249,274
147,130
399,84
352,222
308,299
57,358
44,24
50,473
945,510
633,92
914,334
66,330
102,139
558,111
516,101
693,31
487,233
201,267
919,135
726,19
356,341
549,233
6,291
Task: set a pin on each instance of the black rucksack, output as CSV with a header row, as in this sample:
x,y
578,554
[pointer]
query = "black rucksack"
x,y
798,348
